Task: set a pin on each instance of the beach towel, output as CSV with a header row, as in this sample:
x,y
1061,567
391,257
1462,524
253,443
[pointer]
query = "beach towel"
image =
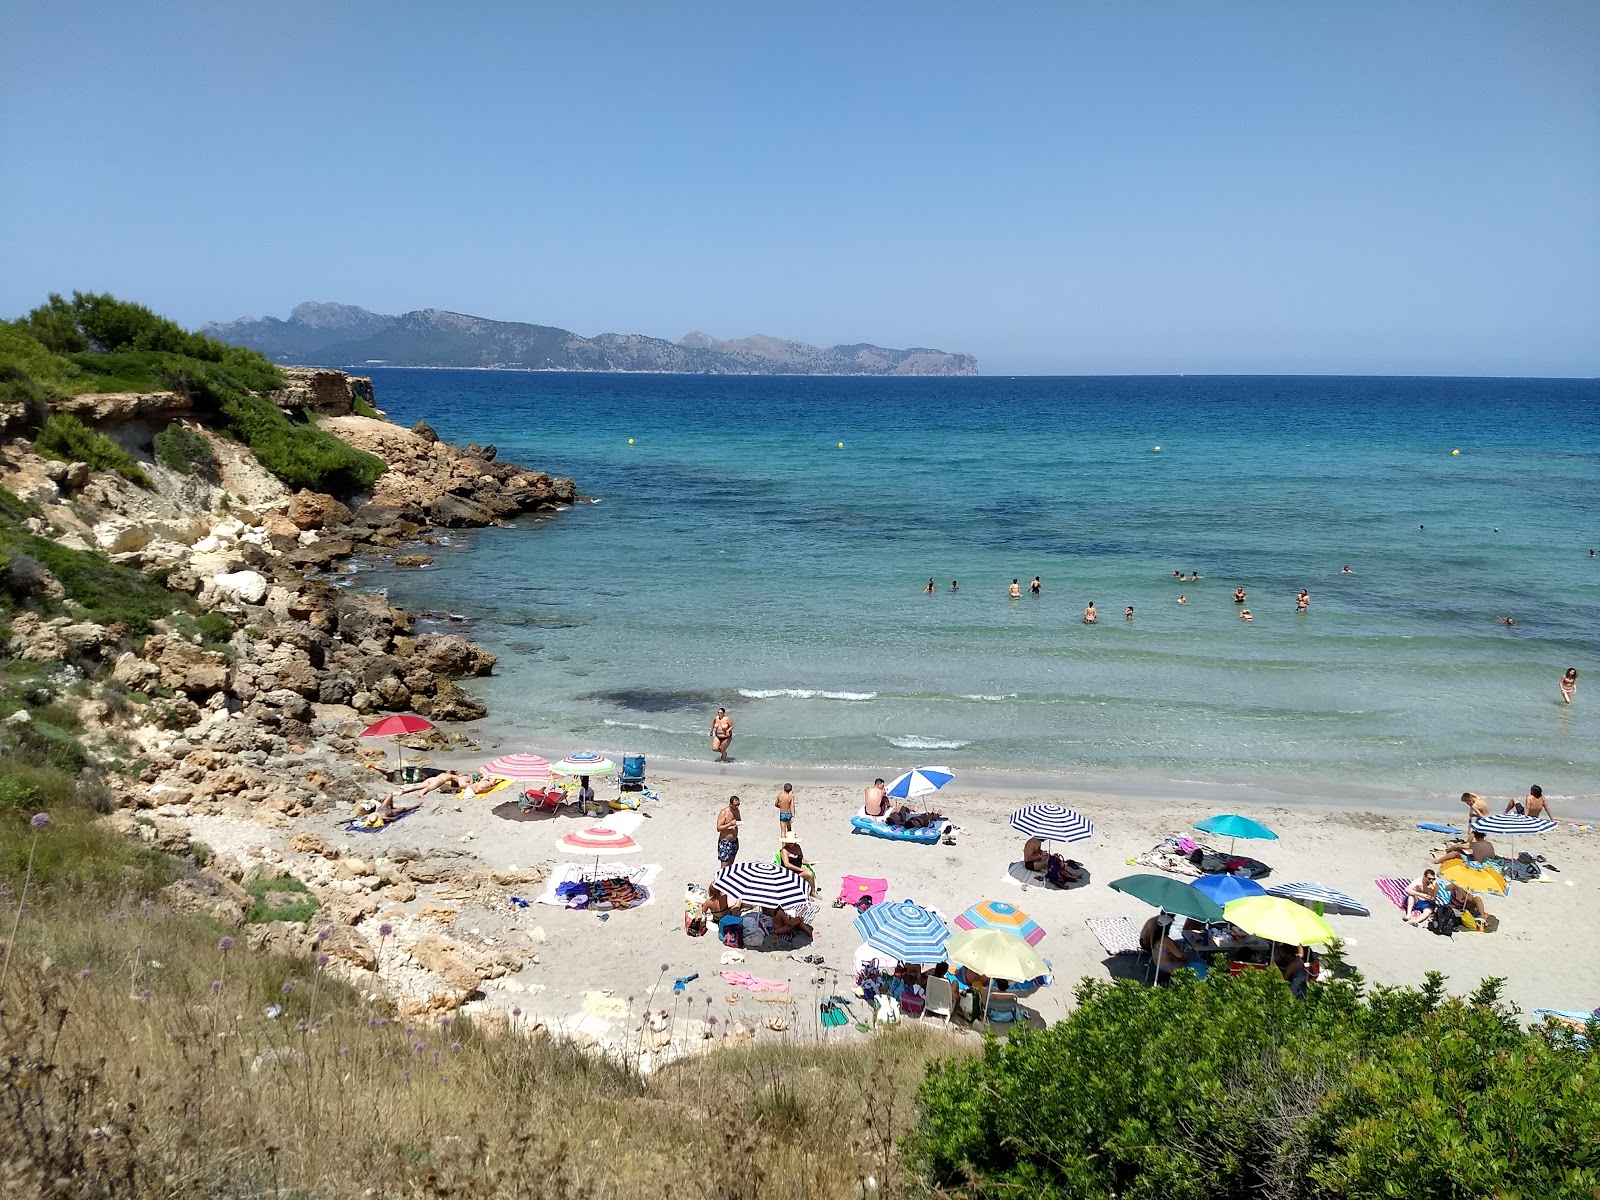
x,y
1116,935
1436,827
1162,858
1395,889
753,983
568,879
375,823
855,888
468,794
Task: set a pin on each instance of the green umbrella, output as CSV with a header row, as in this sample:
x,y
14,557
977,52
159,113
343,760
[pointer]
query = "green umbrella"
x,y
1169,895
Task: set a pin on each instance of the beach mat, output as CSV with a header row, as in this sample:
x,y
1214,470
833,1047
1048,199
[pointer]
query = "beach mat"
x,y
643,877
359,824
1395,889
1017,873
1437,827
1116,935
852,888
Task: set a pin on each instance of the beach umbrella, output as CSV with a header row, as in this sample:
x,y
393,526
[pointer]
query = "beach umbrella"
x,y
585,762
397,726
995,953
1169,895
1513,825
1053,823
904,931
1279,920
599,839
997,914
1321,899
1461,873
1233,826
764,884
518,766
1226,888
919,781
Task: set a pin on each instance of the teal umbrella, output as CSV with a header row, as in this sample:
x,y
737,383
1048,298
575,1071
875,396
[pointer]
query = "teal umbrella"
x,y
1170,896
1232,825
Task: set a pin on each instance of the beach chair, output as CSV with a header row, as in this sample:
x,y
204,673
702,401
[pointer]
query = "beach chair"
x,y
939,999
632,777
1002,1008
541,800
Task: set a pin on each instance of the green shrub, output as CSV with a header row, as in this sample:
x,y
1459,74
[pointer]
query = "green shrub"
x,y
67,439
77,846
214,626
281,899
27,789
362,409
1232,1087
48,745
186,451
109,591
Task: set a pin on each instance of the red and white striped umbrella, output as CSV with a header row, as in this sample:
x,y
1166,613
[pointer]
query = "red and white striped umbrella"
x,y
600,839
518,766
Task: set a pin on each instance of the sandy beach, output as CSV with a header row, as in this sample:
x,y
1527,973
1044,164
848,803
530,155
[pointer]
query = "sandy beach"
x,y
593,971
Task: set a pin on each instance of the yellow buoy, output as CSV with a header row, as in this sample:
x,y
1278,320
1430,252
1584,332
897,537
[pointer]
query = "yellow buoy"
x,y
841,445
1158,449
630,441
1455,454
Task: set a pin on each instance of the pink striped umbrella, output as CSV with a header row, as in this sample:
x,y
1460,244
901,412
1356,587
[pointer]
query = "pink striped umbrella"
x,y
600,839
518,766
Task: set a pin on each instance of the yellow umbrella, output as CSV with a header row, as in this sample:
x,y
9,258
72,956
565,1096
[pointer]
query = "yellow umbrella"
x,y
1279,920
996,953
1473,879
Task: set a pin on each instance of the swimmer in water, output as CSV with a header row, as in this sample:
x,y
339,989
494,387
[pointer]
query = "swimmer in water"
x,y
1569,685
1183,599
1033,587
1345,570
1128,613
1178,575
954,586
1302,601
1244,615
1016,589
1089,614
929,588
1238,595
1508,622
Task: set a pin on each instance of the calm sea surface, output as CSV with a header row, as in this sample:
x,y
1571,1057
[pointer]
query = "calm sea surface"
x,y
738,556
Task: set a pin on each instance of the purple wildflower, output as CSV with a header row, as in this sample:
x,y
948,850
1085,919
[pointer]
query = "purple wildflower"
x,y
455,1047
225,944
323,960
146,994
325,933
84,974
40,820
344,1051
385,929
216,986
372,1022
515,1011
665,967
288,986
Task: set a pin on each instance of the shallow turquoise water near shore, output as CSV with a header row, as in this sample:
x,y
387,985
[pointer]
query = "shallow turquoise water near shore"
x,y
739,557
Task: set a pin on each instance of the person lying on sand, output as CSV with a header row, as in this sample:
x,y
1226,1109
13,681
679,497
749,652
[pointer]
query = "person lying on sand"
x,y
1421,898
478,784
783,924
446,780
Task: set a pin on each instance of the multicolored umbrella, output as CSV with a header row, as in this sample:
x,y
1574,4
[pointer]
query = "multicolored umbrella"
x,y
764,884
997,914
904,931
919,781
600,839
1463,874
585,762
397,726
518,766
1053,823
1225,889
1279,920
995,953
1322,899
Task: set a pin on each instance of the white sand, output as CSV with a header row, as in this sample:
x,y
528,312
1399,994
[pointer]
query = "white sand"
x,y
1541,945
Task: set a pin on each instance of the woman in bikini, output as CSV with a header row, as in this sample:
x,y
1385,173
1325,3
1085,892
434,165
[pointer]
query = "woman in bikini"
x,y
1569,685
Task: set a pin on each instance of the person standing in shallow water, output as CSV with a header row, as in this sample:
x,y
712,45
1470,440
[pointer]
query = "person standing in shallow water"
x,y
929,588
1089,614
1034,587
1569,685
721,734
1016,589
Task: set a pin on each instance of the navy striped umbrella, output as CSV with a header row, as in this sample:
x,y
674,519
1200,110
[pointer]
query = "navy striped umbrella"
x,y
1513,823
905,931
1321,898
1053,823
764,884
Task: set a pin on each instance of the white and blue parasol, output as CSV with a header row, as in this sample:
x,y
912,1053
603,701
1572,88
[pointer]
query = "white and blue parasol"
x,y
1513,824
1053,823
763,884
919,781
1321,898
905,931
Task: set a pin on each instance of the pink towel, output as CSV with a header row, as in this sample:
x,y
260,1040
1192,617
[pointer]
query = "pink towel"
x,y
1395,889
853,887
753,983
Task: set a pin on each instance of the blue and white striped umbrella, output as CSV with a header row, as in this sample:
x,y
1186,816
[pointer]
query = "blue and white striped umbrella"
x,y
1313,895
1513,823
1053,823
764,884
919,781
905,931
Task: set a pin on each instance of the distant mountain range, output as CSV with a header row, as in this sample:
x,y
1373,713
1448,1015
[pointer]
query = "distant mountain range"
x,y
342,335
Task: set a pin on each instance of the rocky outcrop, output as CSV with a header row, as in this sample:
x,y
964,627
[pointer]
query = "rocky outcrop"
x,y
313,510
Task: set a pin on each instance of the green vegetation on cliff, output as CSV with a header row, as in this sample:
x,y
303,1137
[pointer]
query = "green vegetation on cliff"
x,y
97,343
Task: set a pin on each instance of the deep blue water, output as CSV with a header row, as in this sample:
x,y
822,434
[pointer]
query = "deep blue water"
x,y
739,556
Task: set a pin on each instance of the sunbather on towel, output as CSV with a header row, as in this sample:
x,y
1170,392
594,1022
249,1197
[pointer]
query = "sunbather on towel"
x,y
447,781
783,924
1477,847
1421,897
1465,903
903,816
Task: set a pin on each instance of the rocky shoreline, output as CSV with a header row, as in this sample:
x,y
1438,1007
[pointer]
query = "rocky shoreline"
x,y
239,750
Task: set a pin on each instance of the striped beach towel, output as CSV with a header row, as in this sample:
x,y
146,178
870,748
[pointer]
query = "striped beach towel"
x,y
1116,935
1395,889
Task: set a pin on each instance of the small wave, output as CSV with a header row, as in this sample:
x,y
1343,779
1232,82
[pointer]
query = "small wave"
x,y
803,694
632,725
914,742
991,699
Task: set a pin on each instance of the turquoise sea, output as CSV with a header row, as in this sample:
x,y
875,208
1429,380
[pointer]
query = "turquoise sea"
x,y
738,556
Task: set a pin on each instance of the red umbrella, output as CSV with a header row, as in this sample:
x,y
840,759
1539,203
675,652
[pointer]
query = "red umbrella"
x,y
395,726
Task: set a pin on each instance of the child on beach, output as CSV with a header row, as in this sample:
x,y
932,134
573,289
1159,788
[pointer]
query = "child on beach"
x,y
785,806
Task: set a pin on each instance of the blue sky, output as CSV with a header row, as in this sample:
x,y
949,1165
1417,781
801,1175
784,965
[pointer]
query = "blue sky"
x,y
1219,187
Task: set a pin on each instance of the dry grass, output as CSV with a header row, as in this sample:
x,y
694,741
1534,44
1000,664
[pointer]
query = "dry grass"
x,y
138,1059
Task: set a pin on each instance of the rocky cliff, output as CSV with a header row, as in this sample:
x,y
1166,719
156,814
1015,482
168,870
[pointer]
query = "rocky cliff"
x,y
341,334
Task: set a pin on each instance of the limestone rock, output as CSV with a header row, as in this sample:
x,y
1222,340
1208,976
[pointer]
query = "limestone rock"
x,y
248,586
451,655
133,673
413,560
349,945
186,667
313,843
425,431
450,703
314,510
461,967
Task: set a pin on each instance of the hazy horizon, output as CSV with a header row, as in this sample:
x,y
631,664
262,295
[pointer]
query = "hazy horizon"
x,y
1379,189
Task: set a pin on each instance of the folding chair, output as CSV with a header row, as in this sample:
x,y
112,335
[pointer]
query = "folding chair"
x,y
940,999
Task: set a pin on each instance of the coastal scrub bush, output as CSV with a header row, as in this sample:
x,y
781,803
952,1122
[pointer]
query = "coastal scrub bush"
x,y
67,439
1232,1087
283,898
109,591
214,626
186,451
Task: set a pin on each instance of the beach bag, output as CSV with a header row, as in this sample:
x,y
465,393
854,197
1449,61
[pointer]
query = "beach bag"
x,y
731,930
694,924
1443,920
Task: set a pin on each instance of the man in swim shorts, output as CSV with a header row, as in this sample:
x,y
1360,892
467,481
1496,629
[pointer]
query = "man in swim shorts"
x,y
1533,805
721,734
785,806
876,803
728,832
